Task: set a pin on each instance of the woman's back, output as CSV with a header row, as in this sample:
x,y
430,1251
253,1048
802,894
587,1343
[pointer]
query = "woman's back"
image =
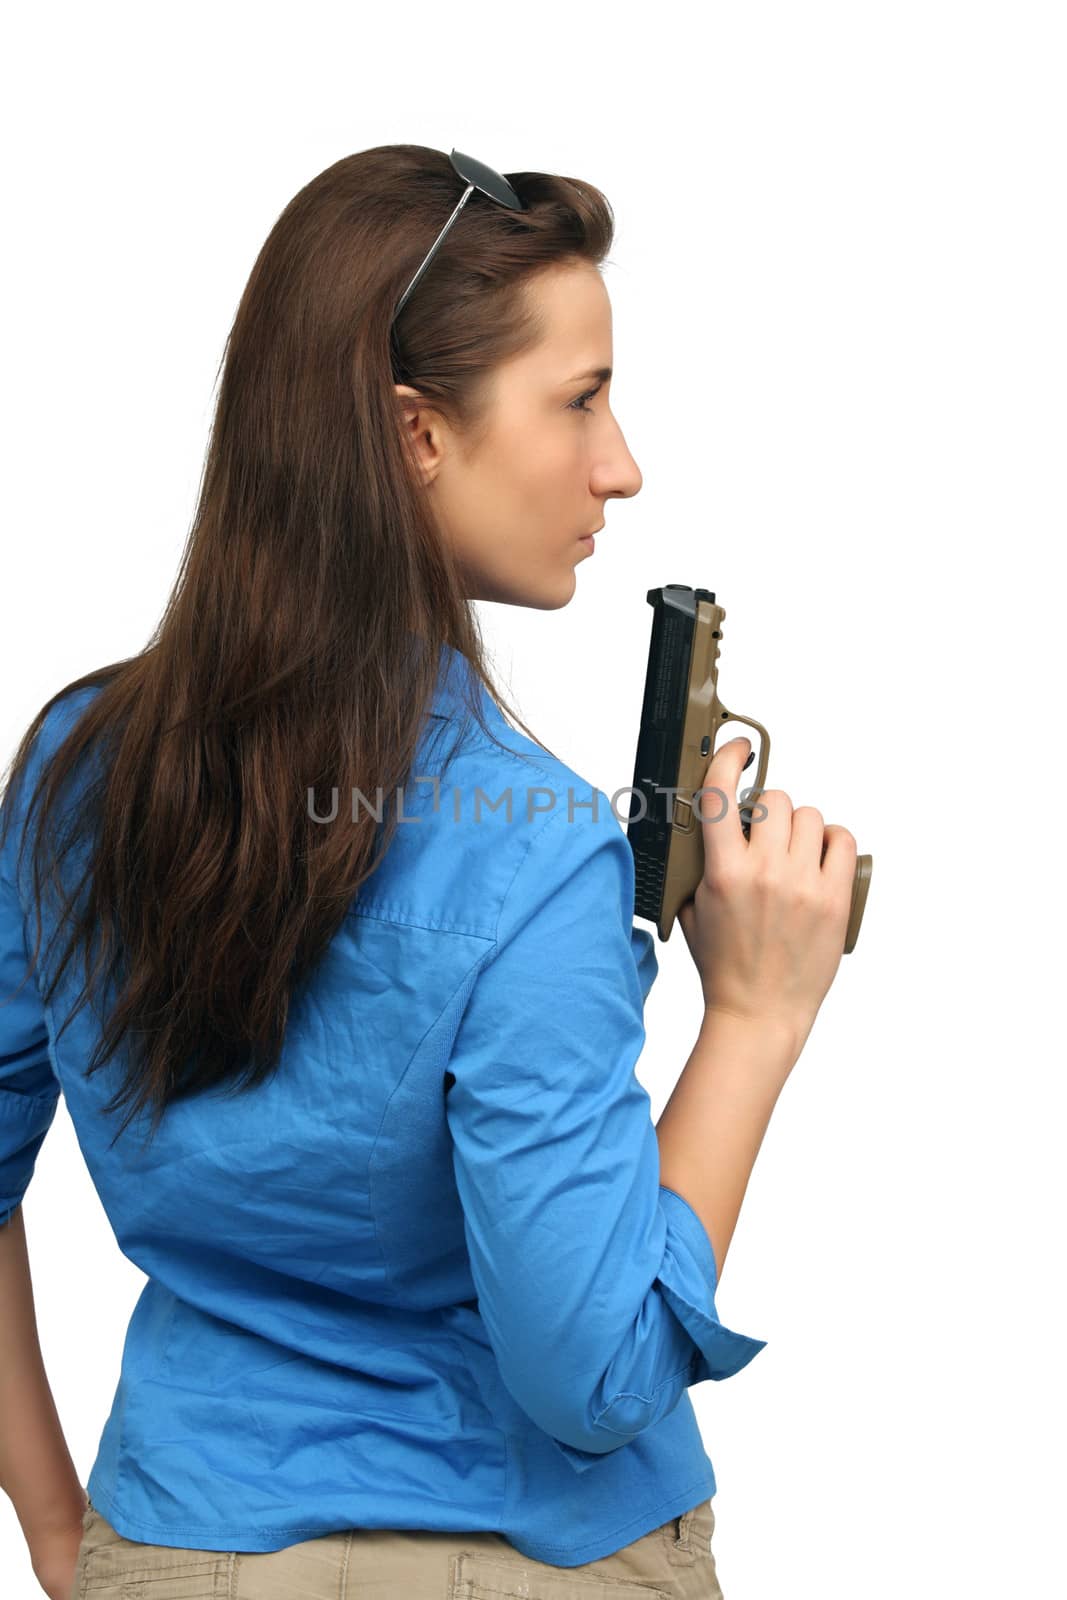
x,y
425,1275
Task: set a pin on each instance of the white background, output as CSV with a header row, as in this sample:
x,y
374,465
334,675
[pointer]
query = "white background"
x,y
838,285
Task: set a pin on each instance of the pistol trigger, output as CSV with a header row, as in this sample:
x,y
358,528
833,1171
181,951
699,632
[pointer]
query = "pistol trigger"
x,y
751,758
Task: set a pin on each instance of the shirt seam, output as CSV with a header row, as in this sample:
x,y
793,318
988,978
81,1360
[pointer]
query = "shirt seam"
x,y
554,816
386,911
473,966
645,1399
402,916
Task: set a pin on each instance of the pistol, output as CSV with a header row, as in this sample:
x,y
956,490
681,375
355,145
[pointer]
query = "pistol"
x,y
681,714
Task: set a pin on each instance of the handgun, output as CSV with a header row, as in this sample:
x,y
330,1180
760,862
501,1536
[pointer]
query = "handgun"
x,y
681,714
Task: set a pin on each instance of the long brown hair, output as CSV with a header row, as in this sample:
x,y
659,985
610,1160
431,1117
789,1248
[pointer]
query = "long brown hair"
x,y
300,645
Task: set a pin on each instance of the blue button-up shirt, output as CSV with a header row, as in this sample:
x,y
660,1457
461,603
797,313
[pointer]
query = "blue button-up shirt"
x,y
426,1277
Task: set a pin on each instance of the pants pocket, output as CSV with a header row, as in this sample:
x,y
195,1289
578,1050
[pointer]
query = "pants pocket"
x,y
485,1577
688,1536
687,1543
111,1567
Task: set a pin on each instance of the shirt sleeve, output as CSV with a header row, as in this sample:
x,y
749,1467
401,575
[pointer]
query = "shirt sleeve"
x,y
29,1089
596,1283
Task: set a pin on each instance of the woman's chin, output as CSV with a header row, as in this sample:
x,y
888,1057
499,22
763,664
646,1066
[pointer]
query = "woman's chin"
x,y
540,594
562,593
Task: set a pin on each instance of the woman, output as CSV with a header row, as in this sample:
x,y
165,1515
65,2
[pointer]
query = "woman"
x,y
426,1289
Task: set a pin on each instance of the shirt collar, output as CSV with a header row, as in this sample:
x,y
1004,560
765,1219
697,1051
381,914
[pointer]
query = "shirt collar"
x,y
454,674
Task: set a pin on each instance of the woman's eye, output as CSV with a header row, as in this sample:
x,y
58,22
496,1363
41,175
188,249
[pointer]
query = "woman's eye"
x,y
580,405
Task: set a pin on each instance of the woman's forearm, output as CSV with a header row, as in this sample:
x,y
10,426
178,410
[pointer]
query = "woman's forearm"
x,y
36,1470
712,1126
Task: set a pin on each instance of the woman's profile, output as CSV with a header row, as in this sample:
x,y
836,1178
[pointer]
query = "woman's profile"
x,y
335,967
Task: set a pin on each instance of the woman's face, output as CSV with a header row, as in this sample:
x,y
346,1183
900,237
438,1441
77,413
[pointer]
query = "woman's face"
x,y
515,507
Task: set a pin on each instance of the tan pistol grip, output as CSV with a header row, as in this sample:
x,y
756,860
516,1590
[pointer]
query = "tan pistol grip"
x,y
705,714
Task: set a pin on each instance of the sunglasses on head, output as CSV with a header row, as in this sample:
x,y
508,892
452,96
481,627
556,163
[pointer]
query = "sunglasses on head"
x,y
476,176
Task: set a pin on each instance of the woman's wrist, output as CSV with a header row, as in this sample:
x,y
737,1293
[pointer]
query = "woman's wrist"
x,y
768,1036
64,1510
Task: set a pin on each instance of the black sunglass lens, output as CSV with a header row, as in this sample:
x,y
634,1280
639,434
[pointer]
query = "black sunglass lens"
x,y
484,178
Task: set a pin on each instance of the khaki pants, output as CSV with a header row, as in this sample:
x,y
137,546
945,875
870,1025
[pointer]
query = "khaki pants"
x,y
673,1562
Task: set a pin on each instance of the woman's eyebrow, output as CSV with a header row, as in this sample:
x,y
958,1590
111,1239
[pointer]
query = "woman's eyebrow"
x,y
603,373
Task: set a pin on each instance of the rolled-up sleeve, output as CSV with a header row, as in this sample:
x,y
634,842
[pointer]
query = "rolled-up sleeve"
x,y
595,1282
29,1090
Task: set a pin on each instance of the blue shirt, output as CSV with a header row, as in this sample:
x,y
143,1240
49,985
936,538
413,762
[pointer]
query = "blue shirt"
x,y
427,1276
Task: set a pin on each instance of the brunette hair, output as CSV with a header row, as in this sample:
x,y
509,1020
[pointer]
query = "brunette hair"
x,y
300,645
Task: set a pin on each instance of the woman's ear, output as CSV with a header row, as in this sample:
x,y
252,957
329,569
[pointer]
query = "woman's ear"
x,y
422,431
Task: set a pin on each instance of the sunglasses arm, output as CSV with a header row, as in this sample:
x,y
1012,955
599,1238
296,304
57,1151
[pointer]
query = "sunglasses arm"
x,y
433,249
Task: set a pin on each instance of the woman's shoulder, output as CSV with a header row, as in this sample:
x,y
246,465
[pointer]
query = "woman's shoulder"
x,y
511,771
487,752
487,826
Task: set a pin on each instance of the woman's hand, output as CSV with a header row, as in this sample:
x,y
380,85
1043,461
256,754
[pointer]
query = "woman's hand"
x,y
766,926
54,1557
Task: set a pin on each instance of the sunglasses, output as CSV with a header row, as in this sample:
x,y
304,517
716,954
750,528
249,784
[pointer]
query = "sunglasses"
x,y
476,176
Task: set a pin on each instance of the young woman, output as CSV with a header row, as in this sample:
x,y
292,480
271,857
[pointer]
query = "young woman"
x,y
426,1289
